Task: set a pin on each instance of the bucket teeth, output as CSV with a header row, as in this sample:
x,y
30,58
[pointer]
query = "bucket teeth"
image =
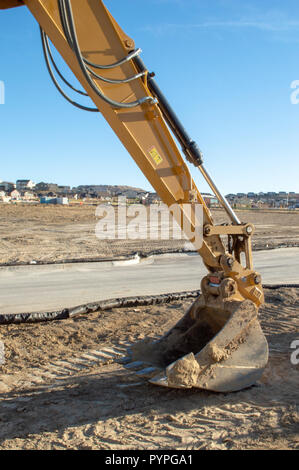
x,y
160,380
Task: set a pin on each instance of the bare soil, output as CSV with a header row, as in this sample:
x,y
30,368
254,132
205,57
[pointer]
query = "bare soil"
x,y
63,387
41,233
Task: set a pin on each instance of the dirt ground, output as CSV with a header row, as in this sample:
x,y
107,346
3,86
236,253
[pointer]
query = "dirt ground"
x,y
63,387
41,233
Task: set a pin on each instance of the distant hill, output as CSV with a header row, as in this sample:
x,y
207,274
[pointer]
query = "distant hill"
x,y
116,189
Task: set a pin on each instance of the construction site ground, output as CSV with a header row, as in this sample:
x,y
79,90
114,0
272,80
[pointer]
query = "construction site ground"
x,y
47,233
63,387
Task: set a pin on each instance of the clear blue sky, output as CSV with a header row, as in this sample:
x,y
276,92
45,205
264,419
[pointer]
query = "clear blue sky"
x,y
226,66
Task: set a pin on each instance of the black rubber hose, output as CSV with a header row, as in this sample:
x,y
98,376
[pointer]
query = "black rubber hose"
x,y
65,7
74,103
58,71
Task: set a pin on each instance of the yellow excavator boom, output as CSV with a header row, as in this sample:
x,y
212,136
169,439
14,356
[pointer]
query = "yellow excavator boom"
x,y
107,63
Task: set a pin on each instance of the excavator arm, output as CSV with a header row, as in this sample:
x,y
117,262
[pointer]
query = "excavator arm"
x,y
107,64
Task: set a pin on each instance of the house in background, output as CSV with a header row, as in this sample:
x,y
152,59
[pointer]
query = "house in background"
x,y
46,187
4,197
210,200
7,186
24,185
28,196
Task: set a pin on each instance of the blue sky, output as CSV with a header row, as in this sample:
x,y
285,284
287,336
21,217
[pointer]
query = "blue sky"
x,y
226,66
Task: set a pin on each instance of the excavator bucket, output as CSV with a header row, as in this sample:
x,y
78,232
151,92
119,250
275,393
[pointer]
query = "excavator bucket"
x,y
218,345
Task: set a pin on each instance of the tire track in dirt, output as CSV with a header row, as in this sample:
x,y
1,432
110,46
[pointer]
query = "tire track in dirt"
x,y
62,369
90,401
